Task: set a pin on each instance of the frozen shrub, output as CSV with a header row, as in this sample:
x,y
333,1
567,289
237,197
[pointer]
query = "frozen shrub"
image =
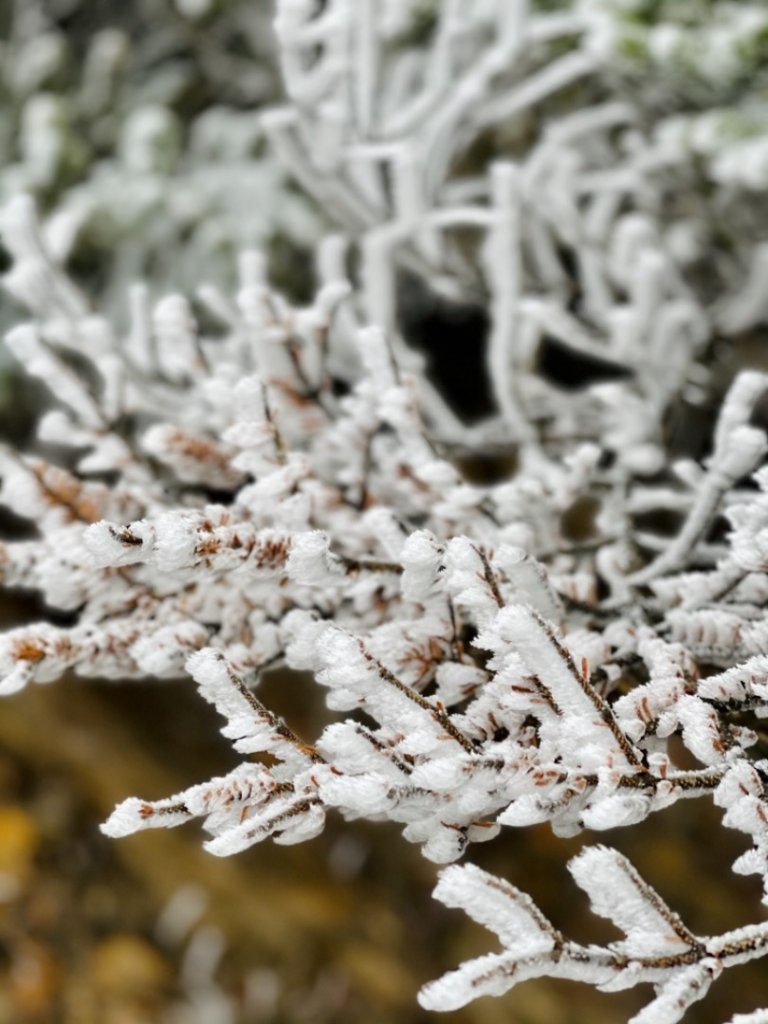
x,y
255,483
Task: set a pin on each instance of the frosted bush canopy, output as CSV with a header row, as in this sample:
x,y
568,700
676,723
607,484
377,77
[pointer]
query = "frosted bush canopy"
x,y
252,482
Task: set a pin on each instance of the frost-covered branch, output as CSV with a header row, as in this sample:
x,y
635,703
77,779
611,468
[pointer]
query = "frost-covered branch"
x,y
229,482
658,947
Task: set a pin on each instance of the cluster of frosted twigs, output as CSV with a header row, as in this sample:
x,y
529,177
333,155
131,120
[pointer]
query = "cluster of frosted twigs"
x,y
245,484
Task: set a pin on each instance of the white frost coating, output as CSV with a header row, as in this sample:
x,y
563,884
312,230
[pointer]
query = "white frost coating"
x,y
701,730
250,726
286,821
127,818
529,580
748,681
617,892
616,812
109,545
194,459
658,948
487,590
301,630
422,559
165,651
175,544
25,344
470,578
510,914
680,992
309,561
223,802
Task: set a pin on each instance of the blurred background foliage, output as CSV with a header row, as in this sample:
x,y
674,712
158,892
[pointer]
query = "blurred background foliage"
x,y
139,122
137,125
